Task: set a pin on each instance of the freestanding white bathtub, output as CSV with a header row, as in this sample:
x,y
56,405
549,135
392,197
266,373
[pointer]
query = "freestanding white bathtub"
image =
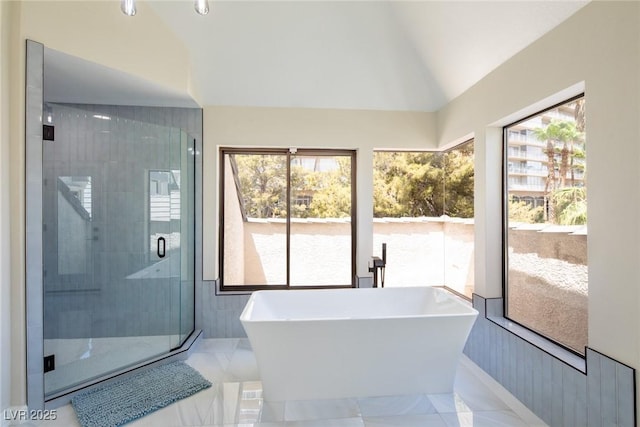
x,y
321,344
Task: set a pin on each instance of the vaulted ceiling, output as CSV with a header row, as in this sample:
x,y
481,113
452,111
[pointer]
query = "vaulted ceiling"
x,y
382,55
363,54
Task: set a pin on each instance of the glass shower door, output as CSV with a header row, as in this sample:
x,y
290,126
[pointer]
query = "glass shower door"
x,y
172,235
188,153
118,243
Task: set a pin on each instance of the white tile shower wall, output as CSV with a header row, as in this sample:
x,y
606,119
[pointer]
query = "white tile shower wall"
x,y
81,311
558,393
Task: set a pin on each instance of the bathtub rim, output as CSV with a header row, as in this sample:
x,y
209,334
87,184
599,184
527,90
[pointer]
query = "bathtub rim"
x,y
245,317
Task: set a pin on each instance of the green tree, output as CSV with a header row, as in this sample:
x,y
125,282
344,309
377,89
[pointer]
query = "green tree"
x,y
332,198
579,152
424,184
386,177
560,137
520,211
459,182
405,185
571,205
329,190
262,181
263,184
408,184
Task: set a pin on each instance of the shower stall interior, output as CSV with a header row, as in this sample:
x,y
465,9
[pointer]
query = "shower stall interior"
x,y
118,241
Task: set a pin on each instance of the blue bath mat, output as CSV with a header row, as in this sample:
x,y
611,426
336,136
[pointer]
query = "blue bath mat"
x,y
130,398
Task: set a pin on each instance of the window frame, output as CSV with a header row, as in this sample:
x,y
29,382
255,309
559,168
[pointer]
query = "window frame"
x,y
452,148
288,152
505,241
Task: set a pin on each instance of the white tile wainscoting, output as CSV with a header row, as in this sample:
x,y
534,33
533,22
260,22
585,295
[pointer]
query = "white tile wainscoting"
x,y
560,393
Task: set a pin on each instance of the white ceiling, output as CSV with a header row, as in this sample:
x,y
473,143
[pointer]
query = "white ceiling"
x,y
382,55
375,55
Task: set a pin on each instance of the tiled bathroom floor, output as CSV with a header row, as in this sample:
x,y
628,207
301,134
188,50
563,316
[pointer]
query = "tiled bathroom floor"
x,y
235,400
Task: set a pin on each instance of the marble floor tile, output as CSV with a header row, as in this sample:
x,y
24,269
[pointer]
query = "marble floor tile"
x,y
413,420
475,394
218,345
272,412
467,367
65,417
193,411
236,400
325,409
483,419
210,366
449,402
261,424
226,404
243,366
244,344
395,405
338,422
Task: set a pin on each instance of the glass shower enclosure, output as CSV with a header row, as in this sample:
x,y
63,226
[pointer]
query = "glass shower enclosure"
x,y
118,243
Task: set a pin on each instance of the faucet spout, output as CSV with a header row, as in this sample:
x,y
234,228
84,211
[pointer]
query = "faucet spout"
x,y
379,264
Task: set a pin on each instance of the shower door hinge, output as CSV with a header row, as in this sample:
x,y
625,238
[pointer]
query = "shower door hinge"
x,y
49,363
47,132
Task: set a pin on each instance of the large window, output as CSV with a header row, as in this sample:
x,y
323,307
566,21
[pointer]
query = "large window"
x,y
546,231
423,211
288,218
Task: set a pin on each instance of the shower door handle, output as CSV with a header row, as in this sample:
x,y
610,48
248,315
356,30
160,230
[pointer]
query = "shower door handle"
x,y
162,247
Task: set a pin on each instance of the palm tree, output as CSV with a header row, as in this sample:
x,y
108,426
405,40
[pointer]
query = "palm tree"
x,y
549,134
581,124
560,136
569,136
571,203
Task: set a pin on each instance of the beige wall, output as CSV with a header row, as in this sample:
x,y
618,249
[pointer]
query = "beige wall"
x,y
5,225
99,32
358,130
16,208
597,49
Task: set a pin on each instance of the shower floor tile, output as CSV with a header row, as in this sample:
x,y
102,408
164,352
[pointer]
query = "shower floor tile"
x,y
78,360
235,400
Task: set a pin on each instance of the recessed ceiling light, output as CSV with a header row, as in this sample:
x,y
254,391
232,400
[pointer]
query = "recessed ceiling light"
x,y
202,7
128,7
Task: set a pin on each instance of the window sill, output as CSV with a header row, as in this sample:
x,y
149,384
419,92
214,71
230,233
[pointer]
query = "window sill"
x,y
541,342
250,289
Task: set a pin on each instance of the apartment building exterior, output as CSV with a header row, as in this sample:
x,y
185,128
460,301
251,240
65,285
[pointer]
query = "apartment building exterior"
x,y
527,159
